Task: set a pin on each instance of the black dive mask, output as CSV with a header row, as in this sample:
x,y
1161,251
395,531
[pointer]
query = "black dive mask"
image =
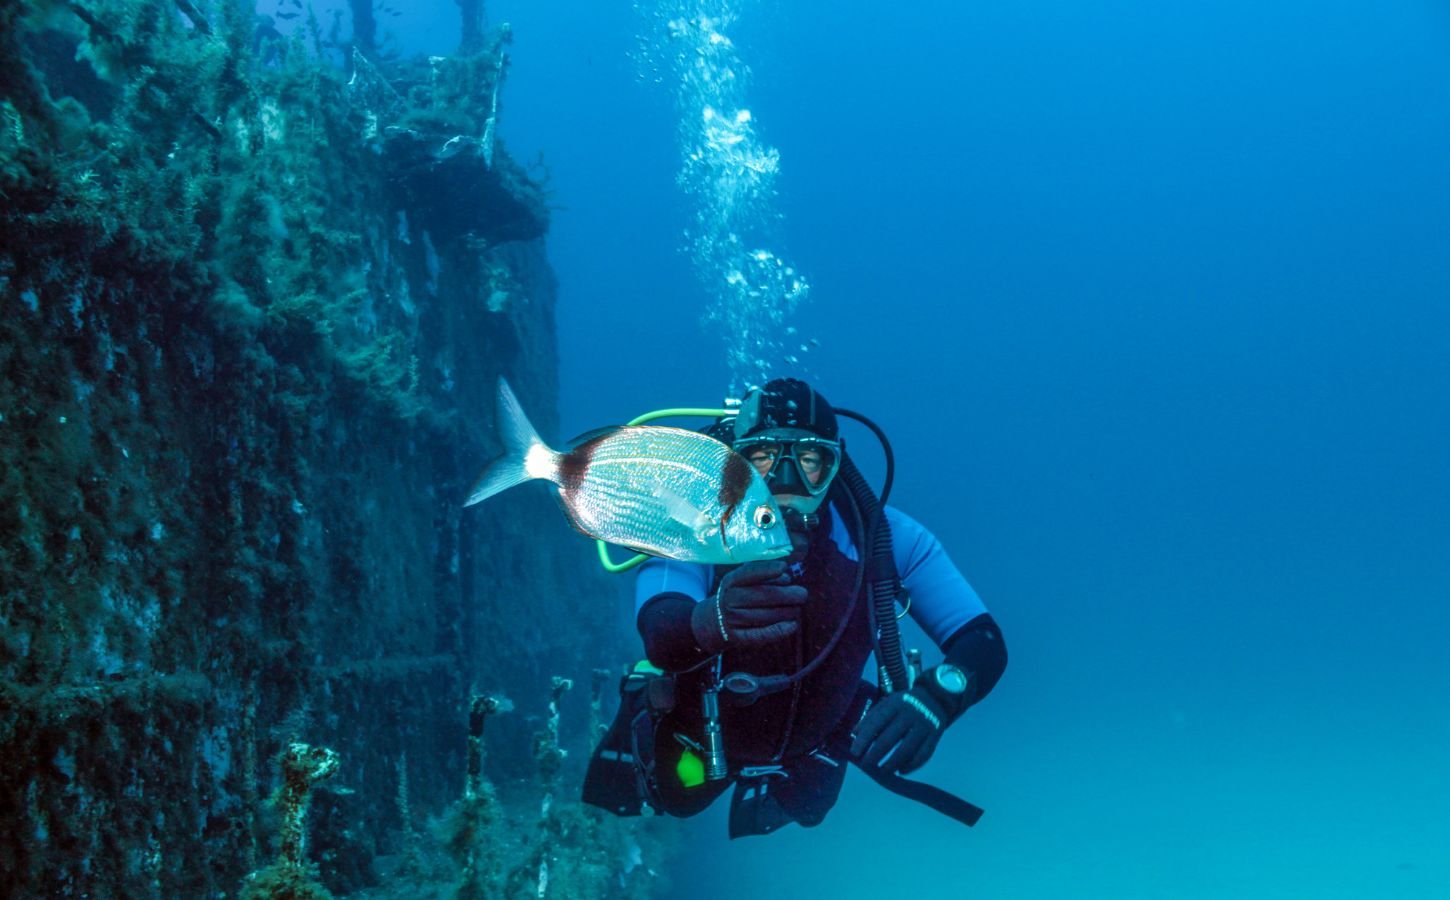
x,y
793,463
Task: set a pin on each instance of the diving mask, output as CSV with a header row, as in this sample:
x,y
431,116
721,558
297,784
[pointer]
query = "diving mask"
x,y
793,462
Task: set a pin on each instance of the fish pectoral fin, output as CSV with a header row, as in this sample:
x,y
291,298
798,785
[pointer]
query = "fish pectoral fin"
x,y
686,513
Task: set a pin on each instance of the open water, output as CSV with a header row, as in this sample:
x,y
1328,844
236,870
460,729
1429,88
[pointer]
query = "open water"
x,y
1152,299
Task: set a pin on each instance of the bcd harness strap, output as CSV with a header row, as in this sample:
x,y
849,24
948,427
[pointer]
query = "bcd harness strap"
x,y
949,805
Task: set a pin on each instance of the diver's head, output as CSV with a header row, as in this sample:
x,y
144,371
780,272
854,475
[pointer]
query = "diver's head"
x,y
788,431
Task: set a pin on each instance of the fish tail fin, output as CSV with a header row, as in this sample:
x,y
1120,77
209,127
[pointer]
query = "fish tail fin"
x,y
526,456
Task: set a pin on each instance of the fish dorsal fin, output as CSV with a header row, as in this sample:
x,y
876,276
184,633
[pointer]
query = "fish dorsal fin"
x,y
685,512
593,434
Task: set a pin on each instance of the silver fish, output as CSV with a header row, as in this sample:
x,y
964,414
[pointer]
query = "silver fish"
x,y
664,491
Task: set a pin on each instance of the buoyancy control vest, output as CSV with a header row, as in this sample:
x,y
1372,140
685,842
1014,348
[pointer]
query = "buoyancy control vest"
x,y
781,725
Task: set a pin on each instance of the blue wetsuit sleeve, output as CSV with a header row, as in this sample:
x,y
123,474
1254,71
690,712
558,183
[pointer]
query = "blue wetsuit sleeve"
x,y
942,602
945,606
665,576
666,593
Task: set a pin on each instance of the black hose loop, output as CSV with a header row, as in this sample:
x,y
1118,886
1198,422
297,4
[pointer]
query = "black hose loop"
x,y
882,580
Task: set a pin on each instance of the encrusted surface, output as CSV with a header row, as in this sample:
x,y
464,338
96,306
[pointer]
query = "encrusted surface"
x,y
246,375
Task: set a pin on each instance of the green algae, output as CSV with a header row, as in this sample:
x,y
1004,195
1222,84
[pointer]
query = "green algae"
x,y
248,346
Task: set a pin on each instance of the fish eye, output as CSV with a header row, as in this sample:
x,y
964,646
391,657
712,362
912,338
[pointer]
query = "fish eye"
x,y
764,517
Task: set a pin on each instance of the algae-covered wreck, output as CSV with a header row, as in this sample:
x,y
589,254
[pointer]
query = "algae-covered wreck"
x,y
256,292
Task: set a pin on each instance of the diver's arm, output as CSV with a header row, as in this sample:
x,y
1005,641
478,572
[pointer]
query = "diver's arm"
x,y
669,641
978,649
900,732
946,607
755,604
666,593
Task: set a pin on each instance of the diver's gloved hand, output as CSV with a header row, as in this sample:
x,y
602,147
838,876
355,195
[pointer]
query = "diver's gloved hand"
x,y
754,605
901,730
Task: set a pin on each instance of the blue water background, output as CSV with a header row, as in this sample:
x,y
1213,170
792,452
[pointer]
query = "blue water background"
x,y
1152,300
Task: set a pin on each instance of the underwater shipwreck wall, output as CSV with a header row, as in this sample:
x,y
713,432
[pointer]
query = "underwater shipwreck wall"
x,y
253,309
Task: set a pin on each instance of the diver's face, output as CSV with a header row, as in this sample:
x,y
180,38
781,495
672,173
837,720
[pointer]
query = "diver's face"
x,y
798,467
808,459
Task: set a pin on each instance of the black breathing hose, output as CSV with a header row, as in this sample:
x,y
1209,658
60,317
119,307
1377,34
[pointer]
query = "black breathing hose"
x,y
884,583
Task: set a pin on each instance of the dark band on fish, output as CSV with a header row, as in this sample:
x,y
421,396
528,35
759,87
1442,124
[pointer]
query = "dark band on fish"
x,y
574,465
734,482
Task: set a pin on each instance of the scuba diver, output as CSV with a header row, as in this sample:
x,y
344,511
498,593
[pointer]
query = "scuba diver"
x,y
754,673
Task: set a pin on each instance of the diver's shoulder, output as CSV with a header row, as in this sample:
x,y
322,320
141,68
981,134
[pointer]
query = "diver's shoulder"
x,y
903,521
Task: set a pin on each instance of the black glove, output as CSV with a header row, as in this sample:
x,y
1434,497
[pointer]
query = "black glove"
x,y
899,733
755,605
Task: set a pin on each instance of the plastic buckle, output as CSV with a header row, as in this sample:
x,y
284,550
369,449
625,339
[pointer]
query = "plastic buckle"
x,y
763,771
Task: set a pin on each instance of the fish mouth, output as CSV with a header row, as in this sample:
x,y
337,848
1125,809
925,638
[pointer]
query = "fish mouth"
x,y
758,553
776,551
